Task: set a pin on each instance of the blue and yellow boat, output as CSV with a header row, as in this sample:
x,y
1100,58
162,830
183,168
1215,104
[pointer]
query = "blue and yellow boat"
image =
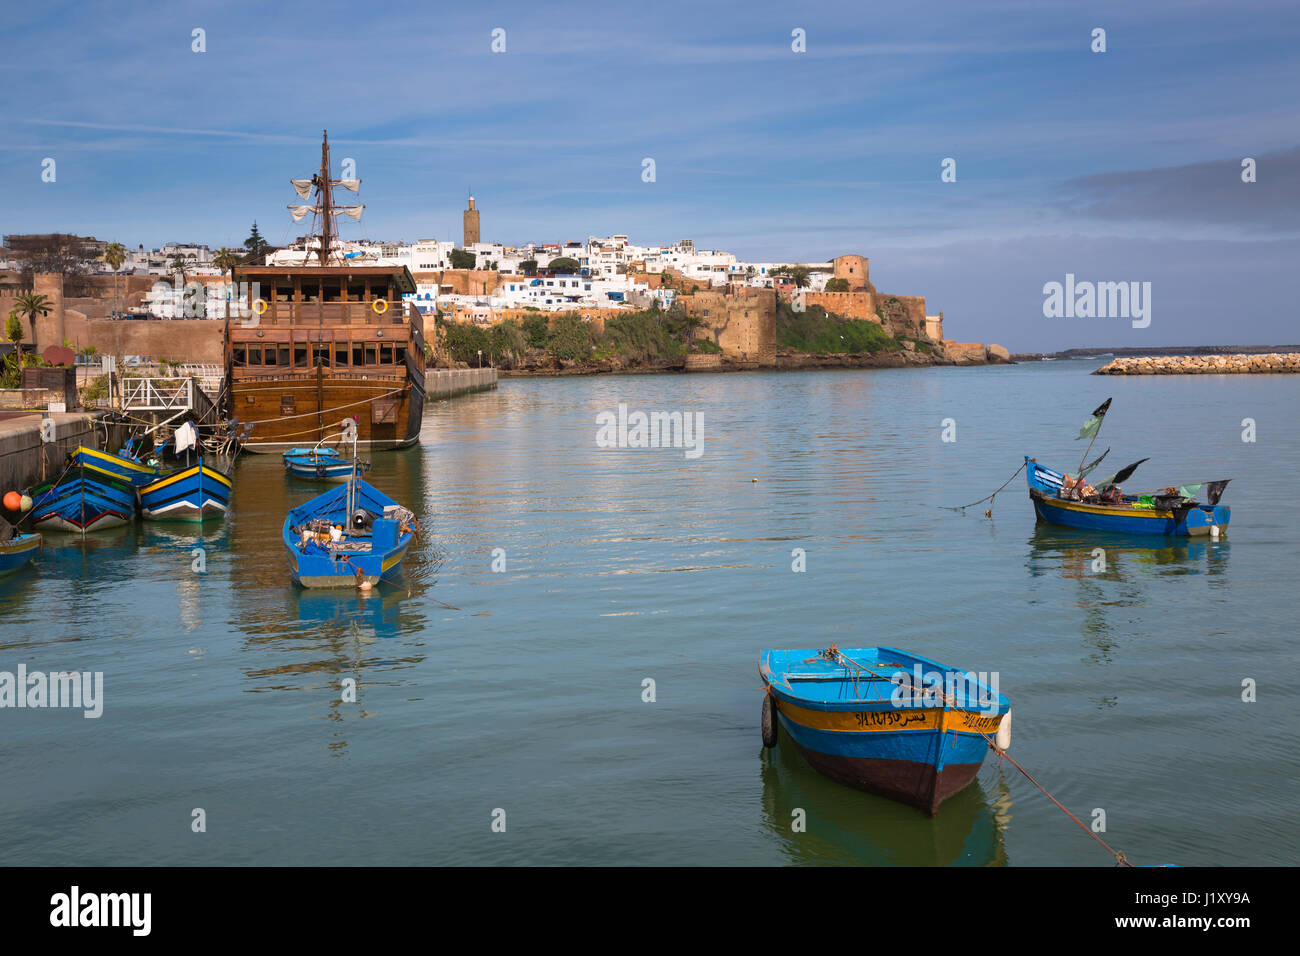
x,y
17,552
350,536
124,465
193,492
1174,513
883,720
96,491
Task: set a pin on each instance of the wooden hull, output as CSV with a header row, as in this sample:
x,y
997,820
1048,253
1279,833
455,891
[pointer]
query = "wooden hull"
x,y
297,410
854,732
194,493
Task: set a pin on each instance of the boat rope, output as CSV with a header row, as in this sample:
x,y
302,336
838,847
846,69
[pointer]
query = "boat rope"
x,y
1120,858
988,498
331,411
310,383
856,668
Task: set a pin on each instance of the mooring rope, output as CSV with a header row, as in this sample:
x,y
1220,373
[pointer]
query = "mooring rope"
x,y
1120,858
988,498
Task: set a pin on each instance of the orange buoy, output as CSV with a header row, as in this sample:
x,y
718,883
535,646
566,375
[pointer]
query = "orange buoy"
x,y
13,501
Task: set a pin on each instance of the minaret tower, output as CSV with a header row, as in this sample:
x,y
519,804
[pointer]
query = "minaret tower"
x,y
471,224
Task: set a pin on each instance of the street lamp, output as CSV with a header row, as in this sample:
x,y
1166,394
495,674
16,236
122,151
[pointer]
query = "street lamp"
x,y
480,358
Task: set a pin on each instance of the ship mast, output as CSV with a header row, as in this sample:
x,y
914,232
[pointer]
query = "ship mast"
x,y
324,210
325,194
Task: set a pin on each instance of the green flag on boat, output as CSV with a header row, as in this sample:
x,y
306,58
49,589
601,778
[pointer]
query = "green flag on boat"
x,y
1093,425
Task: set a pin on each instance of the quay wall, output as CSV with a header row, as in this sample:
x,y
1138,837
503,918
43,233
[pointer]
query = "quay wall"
x,y
26,460
450,382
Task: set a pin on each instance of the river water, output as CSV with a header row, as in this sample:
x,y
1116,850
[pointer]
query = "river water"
x,y
522,689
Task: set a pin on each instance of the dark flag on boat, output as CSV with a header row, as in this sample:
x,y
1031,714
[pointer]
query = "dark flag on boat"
x,y
1093,425
1083,472
1124,474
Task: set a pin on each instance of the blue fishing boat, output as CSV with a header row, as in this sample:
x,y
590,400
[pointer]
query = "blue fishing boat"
x,y
320,464
85,497
350,536
18,551
195,490
126,464
1066,500
191,493
883,720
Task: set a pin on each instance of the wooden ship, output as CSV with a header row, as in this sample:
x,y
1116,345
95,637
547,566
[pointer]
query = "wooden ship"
x,y
325,341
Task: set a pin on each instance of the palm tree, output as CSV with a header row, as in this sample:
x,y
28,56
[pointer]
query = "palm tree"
x,y
178,262
115,256
226,259
32,304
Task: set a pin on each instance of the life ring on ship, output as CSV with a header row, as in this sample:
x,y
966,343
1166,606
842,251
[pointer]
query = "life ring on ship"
x,y
770,726
376,306
264,306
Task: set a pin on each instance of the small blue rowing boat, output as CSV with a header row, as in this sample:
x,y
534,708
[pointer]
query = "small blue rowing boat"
x,y
18,551
320,463
350,536
882,720
1064,500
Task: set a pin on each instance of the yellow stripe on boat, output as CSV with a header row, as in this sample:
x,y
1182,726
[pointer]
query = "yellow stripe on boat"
x,y
895,718
120,462
188,472
1106,509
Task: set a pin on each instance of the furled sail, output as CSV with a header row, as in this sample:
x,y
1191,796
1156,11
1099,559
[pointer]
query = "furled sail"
x,y
352,211
352,184
302,187
300,211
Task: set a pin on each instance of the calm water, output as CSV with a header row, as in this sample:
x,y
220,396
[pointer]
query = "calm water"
x,y
222,689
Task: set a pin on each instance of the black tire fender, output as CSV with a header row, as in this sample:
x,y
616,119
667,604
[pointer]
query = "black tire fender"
x,y
771,727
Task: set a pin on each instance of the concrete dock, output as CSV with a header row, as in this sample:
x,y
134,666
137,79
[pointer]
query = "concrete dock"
x,y
31,453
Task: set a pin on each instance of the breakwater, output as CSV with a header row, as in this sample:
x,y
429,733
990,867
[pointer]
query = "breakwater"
x,y
1271,362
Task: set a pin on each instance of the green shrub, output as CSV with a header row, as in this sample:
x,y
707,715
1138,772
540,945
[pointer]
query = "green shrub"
x,y
571,339
820,332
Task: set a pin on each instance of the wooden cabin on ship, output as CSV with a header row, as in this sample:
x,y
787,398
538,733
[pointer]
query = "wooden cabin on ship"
x,y
325,341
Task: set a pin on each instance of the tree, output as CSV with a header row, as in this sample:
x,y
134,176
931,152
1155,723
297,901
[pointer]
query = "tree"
x,y
226,259
528,267
797,274
115,256
536,328
562,265
837,285
256,245
461,259
749,272
57,253
14,333
179,261
32,304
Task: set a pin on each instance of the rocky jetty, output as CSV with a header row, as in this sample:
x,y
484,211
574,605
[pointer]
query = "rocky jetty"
x,y
1203,364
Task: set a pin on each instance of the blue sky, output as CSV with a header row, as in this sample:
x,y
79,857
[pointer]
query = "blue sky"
x,y
1115,166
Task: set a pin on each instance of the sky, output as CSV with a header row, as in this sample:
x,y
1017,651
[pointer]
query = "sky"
x,y
1115,166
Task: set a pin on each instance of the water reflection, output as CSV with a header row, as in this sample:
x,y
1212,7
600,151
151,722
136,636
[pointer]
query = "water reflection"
x,y
1113,571
1123,557
850,827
